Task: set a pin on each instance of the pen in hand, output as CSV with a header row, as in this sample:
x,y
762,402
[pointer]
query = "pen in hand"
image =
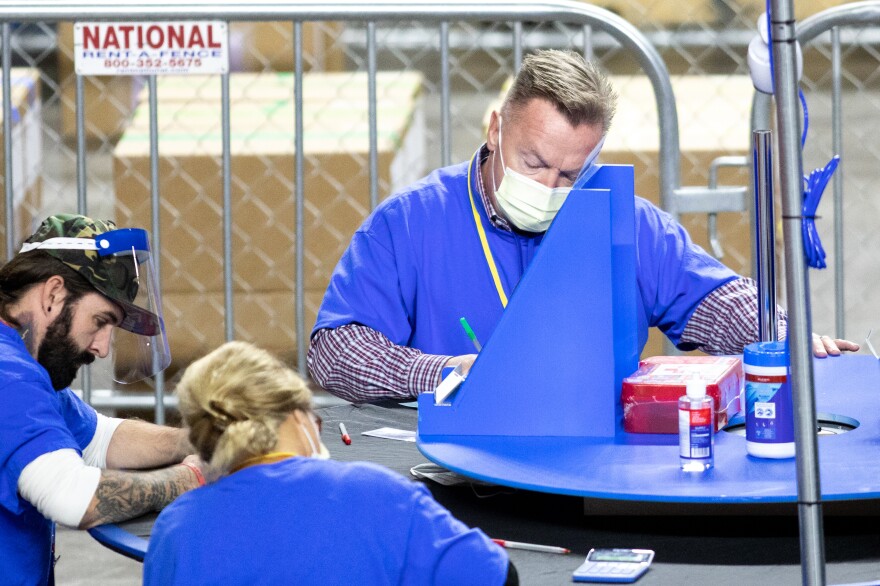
x,y
346,439
470,333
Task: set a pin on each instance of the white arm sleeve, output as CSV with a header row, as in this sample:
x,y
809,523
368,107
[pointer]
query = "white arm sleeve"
x,y
95,453
60,486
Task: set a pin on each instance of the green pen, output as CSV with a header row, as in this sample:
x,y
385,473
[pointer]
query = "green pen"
x,y
471,334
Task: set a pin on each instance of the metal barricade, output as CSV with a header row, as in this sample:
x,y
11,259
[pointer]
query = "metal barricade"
x,y
829,39
588,26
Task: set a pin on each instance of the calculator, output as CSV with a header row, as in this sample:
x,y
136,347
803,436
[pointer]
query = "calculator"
x,y
614,565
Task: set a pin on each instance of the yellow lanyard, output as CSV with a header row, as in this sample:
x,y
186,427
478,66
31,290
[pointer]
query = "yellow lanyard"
x,y
269,458
487,252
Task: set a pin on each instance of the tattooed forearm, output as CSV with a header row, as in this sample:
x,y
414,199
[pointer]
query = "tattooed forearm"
x,y
123,495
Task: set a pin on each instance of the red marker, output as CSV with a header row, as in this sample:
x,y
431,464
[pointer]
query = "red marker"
x,y
346,439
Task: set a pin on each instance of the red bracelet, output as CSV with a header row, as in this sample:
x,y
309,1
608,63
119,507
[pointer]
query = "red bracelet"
x,y
196,471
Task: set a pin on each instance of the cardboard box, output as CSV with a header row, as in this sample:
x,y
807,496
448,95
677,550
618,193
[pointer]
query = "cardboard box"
x,y
338,89
27,157
337,187
650,395
258,46
27,212
108,100
336,144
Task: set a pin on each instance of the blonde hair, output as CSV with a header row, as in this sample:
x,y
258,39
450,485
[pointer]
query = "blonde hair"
x,y
576,87
234,399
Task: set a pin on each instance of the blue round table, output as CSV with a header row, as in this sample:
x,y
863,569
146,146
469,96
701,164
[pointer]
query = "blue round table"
x,y
645,467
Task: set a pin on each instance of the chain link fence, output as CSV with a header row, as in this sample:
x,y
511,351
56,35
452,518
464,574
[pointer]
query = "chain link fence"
x,y
703,45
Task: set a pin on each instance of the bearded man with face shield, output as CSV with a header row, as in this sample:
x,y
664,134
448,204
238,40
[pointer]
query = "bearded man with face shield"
x,y
78,289
457,243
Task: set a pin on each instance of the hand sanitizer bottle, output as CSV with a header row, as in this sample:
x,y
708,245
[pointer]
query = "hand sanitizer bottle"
x,y
696,428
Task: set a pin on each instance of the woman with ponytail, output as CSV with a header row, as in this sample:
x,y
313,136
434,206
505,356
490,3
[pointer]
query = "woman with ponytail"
x,y
282,512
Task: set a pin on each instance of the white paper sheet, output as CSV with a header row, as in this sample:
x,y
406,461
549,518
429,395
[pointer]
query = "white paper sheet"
x,y
392,434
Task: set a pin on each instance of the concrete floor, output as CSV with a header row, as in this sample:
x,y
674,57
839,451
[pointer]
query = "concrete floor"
x,y
86,562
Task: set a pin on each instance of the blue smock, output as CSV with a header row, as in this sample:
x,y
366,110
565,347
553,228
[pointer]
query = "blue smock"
x,y
34,420
416,266
310,521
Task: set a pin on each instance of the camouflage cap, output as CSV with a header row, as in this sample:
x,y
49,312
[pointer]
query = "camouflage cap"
x,y
113,277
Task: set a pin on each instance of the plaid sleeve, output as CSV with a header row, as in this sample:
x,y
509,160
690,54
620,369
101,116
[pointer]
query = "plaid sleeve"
x,y
727,319
359,364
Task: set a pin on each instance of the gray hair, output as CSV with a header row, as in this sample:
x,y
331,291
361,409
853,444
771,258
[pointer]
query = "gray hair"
x,y
573,85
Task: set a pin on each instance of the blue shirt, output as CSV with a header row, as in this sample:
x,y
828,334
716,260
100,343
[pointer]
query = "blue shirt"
x,y
34,420
416,266
310,521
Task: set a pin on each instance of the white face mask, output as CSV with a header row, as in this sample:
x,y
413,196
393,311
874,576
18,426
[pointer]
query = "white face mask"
x,y
320,451
530,205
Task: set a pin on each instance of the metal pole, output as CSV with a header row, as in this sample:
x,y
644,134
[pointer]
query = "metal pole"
x,y
155,206
517,45
799,324
445,110
765,250
81,201
374,127
81,171
760,119
587,32
837,145
7,141
299,195
227,209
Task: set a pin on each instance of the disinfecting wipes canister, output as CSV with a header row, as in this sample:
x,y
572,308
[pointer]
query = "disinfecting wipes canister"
x,y
769,416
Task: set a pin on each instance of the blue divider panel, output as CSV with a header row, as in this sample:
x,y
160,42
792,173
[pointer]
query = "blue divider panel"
x,y
555,363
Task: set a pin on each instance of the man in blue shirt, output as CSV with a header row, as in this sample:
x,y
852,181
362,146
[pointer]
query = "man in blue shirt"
x,y
457,243
61,297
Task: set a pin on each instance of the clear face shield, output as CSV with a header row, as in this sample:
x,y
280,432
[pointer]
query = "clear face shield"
x,y
118,264
128,277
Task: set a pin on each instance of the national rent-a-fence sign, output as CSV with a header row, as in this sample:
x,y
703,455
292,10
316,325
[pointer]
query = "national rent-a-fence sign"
x,y
150,48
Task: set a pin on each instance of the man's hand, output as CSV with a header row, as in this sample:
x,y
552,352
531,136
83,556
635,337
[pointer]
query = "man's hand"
x,y
209,473
466,361
824,346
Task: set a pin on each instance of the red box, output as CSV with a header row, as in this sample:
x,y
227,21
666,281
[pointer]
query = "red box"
x,y
650,395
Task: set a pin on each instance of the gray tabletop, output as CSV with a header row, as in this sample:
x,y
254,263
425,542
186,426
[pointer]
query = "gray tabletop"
x,y
732,545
